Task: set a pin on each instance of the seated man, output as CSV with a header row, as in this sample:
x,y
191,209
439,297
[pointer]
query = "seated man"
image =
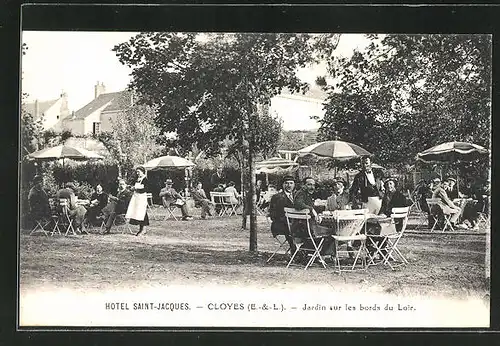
x,y
38,200
304,199
117,204
169,197
339,200
201,200
76,212
98,201
279,201
447,205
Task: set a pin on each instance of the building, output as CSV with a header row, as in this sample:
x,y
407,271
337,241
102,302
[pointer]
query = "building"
x,y
52,112
297,109
96,116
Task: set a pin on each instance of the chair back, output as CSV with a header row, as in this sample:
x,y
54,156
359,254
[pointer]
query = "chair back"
x,y
221,197
401,213
293,214
350,222
53,205
149,197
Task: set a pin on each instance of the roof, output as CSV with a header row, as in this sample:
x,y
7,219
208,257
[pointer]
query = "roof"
x,y
43,106
112,100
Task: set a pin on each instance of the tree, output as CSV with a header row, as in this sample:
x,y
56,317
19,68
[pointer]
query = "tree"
x,y
406,93
209,87
132,140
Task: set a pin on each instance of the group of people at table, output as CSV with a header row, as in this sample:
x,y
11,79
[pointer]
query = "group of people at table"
x,y
132,201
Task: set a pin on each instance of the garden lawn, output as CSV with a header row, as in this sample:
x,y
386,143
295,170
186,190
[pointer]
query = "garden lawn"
x,y
215,251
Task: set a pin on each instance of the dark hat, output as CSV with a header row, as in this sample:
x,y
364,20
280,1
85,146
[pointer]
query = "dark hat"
x,y
341,180
451,179
288,178
169,181
393,179
142,169
37,178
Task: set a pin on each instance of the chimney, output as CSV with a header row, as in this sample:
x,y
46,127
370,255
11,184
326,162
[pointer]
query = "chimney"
x,y
99,89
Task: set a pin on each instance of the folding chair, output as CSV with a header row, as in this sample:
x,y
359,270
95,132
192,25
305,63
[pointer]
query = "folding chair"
x,y
415,205
283,243
219,200
40,225
230,206
433,204
170,212
293,215
349,224
388,240
150,206
119,222
446,214
65,219
483,218
55,216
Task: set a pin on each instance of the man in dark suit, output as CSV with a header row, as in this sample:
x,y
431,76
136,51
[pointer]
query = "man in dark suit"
x,y
117,204
364,185
277,205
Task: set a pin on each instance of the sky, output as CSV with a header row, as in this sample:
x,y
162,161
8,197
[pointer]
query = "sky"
x,y
74,61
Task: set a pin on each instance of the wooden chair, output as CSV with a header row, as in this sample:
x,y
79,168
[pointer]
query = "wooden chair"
x,y
65,219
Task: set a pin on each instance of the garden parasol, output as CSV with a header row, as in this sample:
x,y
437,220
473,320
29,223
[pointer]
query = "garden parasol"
x,y
64,152
337,150
275,165
168,161
453,151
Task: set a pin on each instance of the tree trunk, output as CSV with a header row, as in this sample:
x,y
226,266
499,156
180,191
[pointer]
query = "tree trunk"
x,y
244,194
253,205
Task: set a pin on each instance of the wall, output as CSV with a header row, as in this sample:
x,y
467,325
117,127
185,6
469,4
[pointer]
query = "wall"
x,y
106,117
51,115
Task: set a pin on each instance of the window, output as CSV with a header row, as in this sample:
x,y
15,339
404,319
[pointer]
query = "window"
x,y
96,128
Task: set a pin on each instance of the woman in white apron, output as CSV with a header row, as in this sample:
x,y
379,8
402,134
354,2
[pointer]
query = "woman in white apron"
x,y
136,211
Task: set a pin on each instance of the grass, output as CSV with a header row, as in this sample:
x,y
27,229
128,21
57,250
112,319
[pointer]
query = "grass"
x,y
215,251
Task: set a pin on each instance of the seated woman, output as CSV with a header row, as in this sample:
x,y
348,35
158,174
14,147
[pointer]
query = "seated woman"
x,y
339,200
117,204
235,197
98,201
393,198
76,212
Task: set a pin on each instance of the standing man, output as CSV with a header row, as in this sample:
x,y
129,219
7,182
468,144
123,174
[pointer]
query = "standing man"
x,y
364,188
169,196
117,204
216,179
277,205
